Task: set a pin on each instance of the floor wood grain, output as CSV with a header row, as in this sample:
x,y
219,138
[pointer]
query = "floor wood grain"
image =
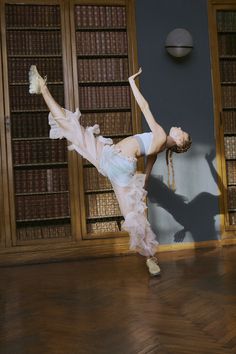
x,y
113,306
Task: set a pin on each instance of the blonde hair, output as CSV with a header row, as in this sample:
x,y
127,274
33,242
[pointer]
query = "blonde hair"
x,y
169,159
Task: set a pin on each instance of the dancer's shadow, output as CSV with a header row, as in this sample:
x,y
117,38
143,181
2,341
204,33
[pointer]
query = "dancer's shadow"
x,y
197,215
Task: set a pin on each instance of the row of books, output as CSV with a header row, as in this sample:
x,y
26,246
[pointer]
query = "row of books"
x,y
18,69
228,71
35,125
227,44
43,232
41,180
102,227
19,15
226,21
101,204
20,99
231,172
42,206
232,197
104,97
112,123
105,69
29,125
230,147
228,96
94,180
34,42
100,16
229,120
104,42
39,151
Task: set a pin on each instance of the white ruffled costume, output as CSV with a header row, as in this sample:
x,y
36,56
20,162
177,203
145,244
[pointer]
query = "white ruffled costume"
x,y
121,171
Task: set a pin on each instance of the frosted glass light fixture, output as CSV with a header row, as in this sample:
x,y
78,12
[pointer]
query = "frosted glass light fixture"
x,y
179,42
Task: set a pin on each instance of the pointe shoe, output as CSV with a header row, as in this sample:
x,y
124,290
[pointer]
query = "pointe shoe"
x,y
36,81
153,266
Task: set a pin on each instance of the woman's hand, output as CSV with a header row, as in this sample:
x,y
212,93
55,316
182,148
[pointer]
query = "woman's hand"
x,y
134,76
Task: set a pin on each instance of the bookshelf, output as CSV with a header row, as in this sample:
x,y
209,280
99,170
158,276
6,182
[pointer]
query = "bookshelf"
x,y
100,48
40,171
222,15
56,205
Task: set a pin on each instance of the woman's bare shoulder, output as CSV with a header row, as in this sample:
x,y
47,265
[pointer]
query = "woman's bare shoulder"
x,y
159,140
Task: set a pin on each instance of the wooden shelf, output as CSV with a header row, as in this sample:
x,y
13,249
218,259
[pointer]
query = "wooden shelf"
x,y
29,110
121,135
229,134
34,55
41,193
105,83
228,83
85,56
101,29
91,191
227,32
98,110
229,108
33,28
105,217
31,139
27,83
41,165
43,219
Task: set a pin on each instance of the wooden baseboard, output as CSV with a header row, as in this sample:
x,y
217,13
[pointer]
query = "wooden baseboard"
x,y
117,247
189,245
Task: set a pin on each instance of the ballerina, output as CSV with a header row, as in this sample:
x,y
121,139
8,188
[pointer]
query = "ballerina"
x,y
118,161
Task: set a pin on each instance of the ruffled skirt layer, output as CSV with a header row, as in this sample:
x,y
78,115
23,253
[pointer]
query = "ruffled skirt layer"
x,y
132,202
127,185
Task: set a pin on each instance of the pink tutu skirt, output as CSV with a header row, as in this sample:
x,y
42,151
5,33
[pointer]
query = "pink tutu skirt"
x,y
121,171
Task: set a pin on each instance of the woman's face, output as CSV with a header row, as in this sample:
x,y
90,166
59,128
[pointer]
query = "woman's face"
x,y
178,135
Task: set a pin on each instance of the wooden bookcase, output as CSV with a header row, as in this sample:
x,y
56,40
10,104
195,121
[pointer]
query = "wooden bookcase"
x,y
2,223
56,202
101,66
222,20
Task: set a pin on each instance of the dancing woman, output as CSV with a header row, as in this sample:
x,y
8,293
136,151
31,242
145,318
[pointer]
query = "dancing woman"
x,y
118,161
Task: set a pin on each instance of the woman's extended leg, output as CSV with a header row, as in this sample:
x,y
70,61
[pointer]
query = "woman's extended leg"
x,y
65,123
38,86
70,128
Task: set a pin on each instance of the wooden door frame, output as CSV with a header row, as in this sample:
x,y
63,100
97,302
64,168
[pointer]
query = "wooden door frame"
x,y
227,231
2,144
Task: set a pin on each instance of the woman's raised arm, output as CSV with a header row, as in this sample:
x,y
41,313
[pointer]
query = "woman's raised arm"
x,y
144,106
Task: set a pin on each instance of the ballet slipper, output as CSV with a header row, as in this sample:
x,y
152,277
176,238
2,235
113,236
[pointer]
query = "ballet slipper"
x,y
153,266
36,81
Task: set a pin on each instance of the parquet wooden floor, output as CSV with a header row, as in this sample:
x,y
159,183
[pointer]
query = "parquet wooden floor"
x,y
113,306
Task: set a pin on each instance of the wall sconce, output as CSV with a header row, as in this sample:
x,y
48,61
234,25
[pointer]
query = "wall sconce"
x,y
179,43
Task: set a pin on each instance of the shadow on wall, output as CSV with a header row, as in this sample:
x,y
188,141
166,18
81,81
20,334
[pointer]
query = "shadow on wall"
x,y
197,215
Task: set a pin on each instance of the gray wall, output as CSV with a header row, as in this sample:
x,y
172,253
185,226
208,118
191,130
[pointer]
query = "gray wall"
x,y
180,94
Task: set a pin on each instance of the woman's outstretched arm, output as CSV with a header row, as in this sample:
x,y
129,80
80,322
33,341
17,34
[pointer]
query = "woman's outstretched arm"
x,y
144,106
